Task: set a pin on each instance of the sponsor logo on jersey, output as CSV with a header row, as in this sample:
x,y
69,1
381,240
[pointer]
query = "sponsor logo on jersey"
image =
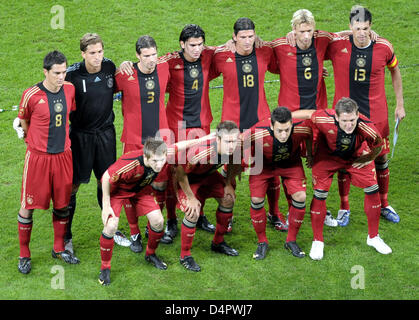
x,y
131,78
344,50
97,79
331,132
229,59
41,101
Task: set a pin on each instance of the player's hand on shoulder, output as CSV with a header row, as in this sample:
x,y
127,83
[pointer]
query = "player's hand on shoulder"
x,y
126,67
291,38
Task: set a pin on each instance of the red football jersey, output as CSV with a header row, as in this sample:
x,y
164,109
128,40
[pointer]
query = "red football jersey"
x,y
360,74
143,105
334,141
188,90
301,73
275,153
129,175
48,117
202,160
244,99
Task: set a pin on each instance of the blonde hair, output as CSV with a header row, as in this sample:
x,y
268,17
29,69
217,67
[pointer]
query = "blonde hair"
x,y
302,16
89,38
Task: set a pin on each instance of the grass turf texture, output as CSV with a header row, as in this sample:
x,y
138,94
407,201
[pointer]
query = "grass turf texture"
x,y
27,36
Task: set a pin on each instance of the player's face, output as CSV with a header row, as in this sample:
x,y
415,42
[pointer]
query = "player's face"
x,y
55,76
361,33
282,131
347,121
93,56
156,162
148,59
244,41
192,48
304,35
228,143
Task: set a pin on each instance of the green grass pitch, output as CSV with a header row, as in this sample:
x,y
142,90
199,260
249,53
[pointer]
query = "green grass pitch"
x,y
28,32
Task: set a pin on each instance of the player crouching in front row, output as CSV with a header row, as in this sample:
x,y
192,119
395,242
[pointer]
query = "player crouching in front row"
x,y
136,176
340,145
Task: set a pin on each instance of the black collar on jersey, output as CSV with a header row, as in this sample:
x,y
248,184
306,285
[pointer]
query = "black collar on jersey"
x,y
139,72
43,88
186,61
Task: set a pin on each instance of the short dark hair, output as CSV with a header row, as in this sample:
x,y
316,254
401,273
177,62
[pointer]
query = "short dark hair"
x,y
145,42
360,14
54,57
281,115
225,127
346,105
243,24
191,31
154,146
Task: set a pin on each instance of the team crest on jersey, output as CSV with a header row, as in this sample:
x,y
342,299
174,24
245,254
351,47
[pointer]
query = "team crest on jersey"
x,y
247,68
109,82
283,150
29,200
361,62
115,177
58,107
194,73
345,141
306,61
150,84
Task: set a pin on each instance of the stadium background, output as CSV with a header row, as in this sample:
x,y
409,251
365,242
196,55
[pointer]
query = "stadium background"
x,y
27,34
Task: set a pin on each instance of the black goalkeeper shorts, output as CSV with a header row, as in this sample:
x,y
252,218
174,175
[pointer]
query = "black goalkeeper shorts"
x,y
92,151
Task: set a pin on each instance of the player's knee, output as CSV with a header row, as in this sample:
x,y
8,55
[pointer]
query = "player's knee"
x,y
61,213
381,165
372,189
257,203
227,202
320,194
26,213
299,196
156,220
111,227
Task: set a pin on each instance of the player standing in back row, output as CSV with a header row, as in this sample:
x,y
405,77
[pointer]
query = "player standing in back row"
x,y
359,70
92,131
244,99
48,171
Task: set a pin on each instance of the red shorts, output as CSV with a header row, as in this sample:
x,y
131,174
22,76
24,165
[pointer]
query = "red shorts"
x,y
211,186
325,167
293,178
47,176
143,201
384,131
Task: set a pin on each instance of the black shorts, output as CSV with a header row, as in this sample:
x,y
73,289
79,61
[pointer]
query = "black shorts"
x,y
92,151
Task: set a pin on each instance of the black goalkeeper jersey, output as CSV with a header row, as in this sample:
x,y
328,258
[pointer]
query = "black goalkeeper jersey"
x,y
94,96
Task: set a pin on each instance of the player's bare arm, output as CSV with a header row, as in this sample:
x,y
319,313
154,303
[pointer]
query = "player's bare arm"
x,y
192,205
396,78
367,157
107,211
302,114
